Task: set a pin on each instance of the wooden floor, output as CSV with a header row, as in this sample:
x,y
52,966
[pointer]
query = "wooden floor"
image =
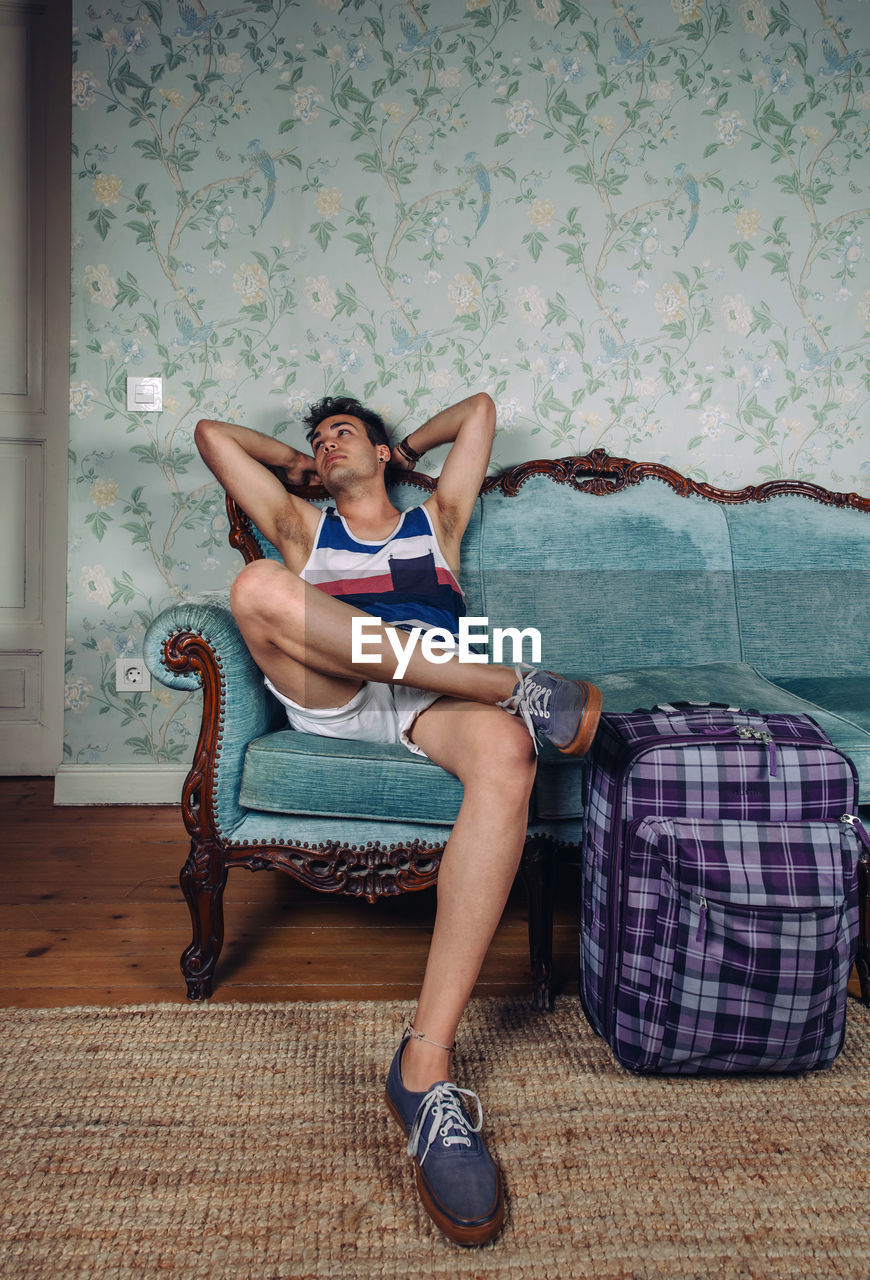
x,y
92,914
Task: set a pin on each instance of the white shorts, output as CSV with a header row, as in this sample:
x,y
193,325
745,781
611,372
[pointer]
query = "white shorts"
x,y
376,713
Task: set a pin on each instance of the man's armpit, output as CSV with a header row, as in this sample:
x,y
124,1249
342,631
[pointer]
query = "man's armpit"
x,y
447,517
291,526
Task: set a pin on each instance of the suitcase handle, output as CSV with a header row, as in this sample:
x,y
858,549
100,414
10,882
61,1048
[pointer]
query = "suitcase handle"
x,y
680,708
677,708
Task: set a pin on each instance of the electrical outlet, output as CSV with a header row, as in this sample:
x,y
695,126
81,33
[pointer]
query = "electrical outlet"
x,y
131,676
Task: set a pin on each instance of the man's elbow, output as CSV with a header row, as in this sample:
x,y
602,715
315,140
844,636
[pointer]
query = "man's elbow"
x,y
203,435
484,411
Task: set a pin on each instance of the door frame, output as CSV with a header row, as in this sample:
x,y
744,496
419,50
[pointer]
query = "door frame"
x,y
34,416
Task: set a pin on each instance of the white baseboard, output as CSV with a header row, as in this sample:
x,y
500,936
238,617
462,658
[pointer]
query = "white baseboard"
x,y
125,784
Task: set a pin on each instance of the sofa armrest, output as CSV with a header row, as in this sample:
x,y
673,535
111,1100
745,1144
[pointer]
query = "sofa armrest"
x,y
196,643
207,615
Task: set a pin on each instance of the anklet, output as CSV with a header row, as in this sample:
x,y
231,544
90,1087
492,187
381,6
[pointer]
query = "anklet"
x,y
412,1032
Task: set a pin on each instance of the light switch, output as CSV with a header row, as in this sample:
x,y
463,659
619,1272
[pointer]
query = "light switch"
x,y
145,395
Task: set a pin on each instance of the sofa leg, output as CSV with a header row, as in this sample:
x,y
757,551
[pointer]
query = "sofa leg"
x,y
862,965
202,880
862,957
538,867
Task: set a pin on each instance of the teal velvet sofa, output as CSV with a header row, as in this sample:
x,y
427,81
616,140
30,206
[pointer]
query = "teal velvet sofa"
x,y
656,587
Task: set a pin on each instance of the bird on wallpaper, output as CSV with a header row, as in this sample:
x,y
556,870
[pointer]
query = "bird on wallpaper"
x,y
188,333
478,173
837,63
196,21
627,53
815,357
405,345
414,38
689,186
266,165
614,351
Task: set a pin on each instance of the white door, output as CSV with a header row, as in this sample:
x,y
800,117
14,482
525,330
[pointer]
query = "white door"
x,y
35,110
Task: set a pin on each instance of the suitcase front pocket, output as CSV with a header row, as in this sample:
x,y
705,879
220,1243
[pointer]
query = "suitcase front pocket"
x,y
750,987
739,959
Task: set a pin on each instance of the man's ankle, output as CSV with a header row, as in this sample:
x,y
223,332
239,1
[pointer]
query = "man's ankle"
x,y
423,1065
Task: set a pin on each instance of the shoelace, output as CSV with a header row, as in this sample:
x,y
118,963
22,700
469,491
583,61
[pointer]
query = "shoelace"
x,y
538,699
527,701
448,1119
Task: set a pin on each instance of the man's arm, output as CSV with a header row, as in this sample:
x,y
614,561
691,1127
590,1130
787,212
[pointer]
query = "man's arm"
x,y
240,459
470,425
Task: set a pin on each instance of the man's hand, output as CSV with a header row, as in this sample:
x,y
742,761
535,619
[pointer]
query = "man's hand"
x,y
400,461
252,467
300,470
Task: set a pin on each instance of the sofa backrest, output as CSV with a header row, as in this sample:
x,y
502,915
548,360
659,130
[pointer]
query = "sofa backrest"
x,y
802,584
620,575
647,576
629,579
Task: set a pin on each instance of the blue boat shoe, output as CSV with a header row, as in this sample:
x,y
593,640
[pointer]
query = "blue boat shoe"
x,y
565,712
459,1185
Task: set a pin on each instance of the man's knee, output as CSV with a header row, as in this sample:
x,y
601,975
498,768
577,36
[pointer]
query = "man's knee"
x,y
509,754
263,590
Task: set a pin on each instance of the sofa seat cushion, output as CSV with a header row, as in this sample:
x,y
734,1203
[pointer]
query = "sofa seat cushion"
x,y
293,772
848,698
840,706
300,773
834,704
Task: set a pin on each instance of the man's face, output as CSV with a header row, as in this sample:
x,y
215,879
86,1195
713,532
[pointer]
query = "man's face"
x,y
343,453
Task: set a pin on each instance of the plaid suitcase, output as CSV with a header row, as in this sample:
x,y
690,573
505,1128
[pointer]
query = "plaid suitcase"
x,y
719,916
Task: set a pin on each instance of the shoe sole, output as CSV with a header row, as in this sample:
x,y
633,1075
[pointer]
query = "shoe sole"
x,y
587,725
474,1233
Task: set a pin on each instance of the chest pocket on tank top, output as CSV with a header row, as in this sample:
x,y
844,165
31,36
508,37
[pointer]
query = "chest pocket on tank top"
x,y
416,576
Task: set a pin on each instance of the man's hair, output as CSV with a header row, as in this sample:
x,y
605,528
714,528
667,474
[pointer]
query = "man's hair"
x,y
335,406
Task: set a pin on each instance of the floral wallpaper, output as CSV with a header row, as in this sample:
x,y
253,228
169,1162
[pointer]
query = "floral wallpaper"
x,y
638,226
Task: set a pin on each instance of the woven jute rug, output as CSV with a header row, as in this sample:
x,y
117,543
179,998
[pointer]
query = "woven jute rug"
x,y
251,1142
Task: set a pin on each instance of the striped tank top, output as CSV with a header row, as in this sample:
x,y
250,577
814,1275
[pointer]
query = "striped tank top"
x,y
405,580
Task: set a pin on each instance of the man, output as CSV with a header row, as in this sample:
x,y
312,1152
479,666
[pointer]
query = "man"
x,y
362,558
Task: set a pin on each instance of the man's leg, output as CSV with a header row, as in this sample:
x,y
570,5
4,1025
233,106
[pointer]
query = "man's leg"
x,y
458,1182
493,757
302,640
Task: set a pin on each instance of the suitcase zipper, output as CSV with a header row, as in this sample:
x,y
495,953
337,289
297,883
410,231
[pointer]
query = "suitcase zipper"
x,y
858,827
761,735
702,919
737,908
750,909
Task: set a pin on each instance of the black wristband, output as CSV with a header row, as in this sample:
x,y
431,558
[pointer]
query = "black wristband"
x,y
410,453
